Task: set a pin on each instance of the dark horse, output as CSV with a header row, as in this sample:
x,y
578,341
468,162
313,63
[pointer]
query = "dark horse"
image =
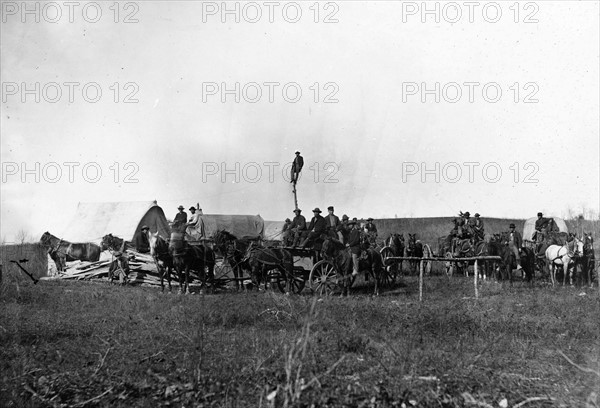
x,y
159,250
261,260
195,257
414,249
370,262
120,261
498,246
233,251
62,251
396,242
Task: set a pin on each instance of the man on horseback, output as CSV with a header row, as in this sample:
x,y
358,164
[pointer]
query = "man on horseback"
x,y
477,228
371,231
333,222
354,243
515,242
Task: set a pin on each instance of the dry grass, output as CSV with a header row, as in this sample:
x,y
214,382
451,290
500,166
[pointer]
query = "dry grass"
x,y
77,343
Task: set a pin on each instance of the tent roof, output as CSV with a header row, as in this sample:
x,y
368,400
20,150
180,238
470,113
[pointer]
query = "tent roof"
x,y
529,227
123,219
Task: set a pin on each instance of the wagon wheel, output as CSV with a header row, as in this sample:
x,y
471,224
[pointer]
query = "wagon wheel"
x,y
323,278
293,285
390,267
386,277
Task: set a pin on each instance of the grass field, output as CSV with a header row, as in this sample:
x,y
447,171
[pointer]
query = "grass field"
x,y
74,344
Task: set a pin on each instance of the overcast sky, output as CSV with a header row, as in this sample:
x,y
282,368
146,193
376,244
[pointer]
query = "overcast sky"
x,y
366,120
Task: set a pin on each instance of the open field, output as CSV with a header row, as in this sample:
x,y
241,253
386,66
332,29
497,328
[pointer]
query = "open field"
x,y
84,344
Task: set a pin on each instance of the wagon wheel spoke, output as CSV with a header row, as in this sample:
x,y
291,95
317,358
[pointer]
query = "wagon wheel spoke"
x,y
323,278
294,284
389,266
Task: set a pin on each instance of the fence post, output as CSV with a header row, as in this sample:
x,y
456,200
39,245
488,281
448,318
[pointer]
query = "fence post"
x,y
421,281
475,280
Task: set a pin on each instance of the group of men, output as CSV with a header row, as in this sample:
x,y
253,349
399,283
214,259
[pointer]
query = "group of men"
x,y
469,227
297,233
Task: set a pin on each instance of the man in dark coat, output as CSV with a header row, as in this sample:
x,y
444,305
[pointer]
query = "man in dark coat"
x,y
344,228
354,245
316,227
477,228
540,223
371,231
286,232
298,227
142,244
181,216
297,165
515,242
333,223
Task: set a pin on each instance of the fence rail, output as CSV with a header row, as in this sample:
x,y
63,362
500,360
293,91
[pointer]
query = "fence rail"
x,y
421,260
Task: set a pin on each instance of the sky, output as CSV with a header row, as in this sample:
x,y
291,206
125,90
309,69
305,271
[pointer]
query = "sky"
x,y
491,109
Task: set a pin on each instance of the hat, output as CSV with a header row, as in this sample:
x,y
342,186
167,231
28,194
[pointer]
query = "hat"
x,y
540,214
476,214
355,219
316,210
288,220
297,210
511,225
467,214
344,217
352,222
369,219
145,227
192,208
297,152
330,207
180,207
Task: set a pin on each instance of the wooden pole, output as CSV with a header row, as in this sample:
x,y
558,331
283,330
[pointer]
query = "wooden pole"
x,y
475,281
295,195
421,281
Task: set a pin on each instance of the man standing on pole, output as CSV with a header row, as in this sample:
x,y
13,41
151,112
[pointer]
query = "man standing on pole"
x,y
296,167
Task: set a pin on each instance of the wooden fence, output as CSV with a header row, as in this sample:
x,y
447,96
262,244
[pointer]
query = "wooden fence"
x,y
424,259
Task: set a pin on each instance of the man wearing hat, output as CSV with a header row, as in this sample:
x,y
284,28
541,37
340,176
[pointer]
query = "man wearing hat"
x,y
333,223
515,242
354,245
181,216
142,243
540,223
298,227
466,225
477,228
316,227
297,165
344,228
371,231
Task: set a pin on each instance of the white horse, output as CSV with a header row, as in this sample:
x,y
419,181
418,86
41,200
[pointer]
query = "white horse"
x,y
563,255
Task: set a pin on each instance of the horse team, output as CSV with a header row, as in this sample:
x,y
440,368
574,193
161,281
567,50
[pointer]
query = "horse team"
x,y
250,256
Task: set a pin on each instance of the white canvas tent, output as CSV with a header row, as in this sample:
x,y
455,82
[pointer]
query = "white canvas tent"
x,y
529,227
123,219
241,226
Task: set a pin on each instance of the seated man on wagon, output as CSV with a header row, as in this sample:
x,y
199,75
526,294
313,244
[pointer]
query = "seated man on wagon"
x,y
477,228
344,228
371,231
316,228
286,233
298,227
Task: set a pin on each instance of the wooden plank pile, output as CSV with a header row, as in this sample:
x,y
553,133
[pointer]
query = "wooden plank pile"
x,y
142,269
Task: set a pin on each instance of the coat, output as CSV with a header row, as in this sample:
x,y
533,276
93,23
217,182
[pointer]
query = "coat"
x,y
332,221
317,224
354,241
298,163
298,223
517,239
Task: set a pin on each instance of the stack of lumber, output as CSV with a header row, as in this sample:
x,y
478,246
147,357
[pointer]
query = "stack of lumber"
x,y
142,269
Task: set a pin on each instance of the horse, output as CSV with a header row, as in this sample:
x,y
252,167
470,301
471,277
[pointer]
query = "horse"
x,y
563,255
196,257
62,251
233,251
414,249
159,250
120,262
261,260
498,246
396,243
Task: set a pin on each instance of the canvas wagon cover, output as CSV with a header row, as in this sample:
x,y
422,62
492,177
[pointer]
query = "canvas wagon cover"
x,y
529,227
242,226
123,219
274,230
